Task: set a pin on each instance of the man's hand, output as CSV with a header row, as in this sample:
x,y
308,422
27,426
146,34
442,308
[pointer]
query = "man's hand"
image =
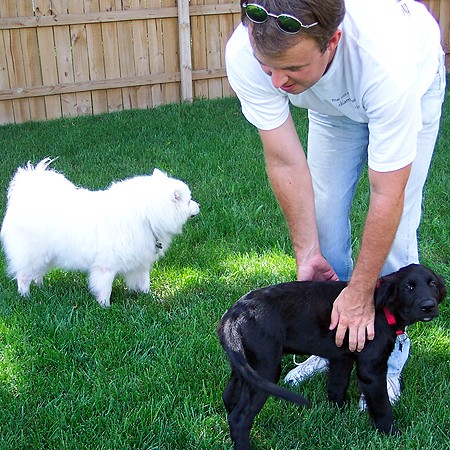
x,y
354,311
316,268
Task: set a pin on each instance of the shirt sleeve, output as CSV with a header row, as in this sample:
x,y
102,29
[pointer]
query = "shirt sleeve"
x,y
263,105
393,130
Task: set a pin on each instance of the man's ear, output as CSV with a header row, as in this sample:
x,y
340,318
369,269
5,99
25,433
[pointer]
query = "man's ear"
x,y
334,41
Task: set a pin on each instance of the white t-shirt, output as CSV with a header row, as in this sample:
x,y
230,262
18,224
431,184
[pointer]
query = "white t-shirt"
x,y
386,59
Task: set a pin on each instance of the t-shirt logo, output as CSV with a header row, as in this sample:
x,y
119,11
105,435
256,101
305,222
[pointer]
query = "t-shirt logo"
x,y
343,100
404,7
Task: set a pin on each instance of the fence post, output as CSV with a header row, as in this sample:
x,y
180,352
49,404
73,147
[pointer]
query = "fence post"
x,y
184,33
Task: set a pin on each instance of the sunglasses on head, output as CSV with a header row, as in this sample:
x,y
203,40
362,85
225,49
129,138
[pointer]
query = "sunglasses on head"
x,y
285,22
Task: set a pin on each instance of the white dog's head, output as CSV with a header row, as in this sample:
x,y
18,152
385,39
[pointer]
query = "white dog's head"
x,y
172,203
162,202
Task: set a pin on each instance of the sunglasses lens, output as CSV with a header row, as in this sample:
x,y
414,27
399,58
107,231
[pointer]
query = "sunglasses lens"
x,y
256,13
286,22
289,24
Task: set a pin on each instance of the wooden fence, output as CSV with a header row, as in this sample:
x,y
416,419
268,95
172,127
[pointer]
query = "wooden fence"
x,y
71,57
62,58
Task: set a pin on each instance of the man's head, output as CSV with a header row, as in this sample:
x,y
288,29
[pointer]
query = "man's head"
x,y
317,19
293,40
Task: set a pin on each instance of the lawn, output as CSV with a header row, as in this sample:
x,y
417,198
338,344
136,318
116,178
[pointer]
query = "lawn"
x,y
148,372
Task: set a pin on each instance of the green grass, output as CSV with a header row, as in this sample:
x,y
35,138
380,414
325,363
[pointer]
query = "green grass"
x,y
148,372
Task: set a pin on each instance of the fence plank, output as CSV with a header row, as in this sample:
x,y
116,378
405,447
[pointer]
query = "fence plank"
x,y
104,16
227,23
184,34
155,52
80,57
16,68
109,84
6,106
213,56
199,50
64,62
114,16
47,60
96,60
126,56
170,54
142,63
111,55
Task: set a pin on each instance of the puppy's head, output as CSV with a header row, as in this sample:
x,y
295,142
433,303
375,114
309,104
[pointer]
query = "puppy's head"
x,y
412,294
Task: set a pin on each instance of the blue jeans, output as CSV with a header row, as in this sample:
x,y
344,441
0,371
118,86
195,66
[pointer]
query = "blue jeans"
x,y
337,155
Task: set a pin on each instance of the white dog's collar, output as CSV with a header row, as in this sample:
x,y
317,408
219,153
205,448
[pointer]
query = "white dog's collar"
x,y
158,243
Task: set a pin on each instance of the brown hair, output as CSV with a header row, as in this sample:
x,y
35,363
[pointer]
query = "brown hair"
x,y
269,40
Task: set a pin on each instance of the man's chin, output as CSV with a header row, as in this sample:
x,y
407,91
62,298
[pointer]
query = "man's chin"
x,y
294,89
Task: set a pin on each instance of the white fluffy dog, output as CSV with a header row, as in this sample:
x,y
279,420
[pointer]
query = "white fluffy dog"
x,y
123,230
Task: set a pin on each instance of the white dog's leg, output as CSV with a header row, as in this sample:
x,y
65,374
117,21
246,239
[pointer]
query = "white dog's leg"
x,y
138,281
39,280
24,280
100,284
23,284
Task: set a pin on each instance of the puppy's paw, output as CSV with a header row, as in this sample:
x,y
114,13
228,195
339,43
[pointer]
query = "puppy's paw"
x,y
390,431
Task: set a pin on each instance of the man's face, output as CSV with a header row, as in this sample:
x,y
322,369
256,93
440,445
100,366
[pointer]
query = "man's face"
x,y
301,66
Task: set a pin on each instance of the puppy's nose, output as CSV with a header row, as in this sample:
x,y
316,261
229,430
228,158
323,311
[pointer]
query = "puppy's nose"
x,y
427,305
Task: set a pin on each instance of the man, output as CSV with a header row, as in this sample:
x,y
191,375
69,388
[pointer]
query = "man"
x,y
371,74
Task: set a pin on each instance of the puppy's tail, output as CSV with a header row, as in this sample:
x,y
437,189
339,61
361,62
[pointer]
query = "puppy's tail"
x,y
231,341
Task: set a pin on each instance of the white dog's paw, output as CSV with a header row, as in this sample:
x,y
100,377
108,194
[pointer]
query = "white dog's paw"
x,y
24,292
100,284
23,285
103,302
138,281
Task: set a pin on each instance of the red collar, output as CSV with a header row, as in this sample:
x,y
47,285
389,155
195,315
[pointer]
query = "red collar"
x,y
391,320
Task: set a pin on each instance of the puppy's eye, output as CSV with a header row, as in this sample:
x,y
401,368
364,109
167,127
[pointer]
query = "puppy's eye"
x,y
409,287
433,283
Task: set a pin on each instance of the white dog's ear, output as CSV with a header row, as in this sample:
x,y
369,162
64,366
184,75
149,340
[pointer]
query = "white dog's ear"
x,y
176,197
159,173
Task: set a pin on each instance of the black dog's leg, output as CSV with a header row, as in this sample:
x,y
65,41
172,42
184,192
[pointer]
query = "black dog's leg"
x,y
241,417
232,392
250,399
373,385
339,379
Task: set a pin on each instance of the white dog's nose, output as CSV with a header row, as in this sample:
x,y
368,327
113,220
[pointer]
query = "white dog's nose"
x,y
194,208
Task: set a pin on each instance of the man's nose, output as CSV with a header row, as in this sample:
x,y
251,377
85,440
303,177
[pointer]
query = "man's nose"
x,y
279,78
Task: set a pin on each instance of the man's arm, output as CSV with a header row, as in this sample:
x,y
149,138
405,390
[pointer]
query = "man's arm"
x,y
353,310
290,178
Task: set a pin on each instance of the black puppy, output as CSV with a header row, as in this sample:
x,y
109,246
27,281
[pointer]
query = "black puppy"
x,y
294,318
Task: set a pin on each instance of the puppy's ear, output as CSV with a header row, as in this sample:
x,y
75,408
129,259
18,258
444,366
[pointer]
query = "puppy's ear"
x,y
385,292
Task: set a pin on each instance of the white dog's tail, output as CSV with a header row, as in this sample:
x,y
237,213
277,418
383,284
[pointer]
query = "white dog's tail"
x,y
32,184
41,165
